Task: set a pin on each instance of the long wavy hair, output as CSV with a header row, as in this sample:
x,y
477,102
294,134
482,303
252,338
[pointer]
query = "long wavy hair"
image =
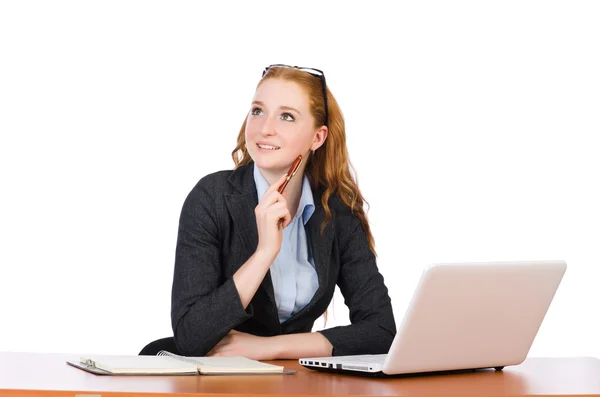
x,y
329,167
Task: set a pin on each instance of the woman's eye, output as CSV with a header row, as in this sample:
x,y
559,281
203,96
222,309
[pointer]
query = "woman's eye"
x,y
287,117
256,111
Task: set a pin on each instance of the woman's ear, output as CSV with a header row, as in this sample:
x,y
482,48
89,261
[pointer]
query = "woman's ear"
x,y
319,139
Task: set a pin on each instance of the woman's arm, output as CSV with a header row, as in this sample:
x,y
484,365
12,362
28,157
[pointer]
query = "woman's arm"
x,y
271,208
289,346
203,311
294,346
373,327
371,332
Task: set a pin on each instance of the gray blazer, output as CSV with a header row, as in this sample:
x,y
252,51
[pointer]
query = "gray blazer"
x,y
218,233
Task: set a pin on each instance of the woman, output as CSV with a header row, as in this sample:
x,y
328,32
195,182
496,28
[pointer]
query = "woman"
x,y
246,285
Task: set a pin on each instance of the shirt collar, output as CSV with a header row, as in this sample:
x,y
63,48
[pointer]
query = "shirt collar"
x,y
306,206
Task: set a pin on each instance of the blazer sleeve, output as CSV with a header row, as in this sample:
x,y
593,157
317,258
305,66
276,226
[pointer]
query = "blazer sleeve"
x,y
372,327
204,308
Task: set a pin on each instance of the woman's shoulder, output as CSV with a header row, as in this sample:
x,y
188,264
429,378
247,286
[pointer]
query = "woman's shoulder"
x,y
206,195
340,211
218,183
213,181
334,202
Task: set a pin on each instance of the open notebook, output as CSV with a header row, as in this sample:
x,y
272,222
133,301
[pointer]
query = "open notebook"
x,y
166,363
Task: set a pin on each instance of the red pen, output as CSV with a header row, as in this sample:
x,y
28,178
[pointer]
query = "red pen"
x,y
291,172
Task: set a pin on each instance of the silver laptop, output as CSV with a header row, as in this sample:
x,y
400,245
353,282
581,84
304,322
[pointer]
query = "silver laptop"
x,y
463,316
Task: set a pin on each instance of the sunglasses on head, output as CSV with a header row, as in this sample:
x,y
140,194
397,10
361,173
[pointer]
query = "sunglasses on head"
x,y
315,72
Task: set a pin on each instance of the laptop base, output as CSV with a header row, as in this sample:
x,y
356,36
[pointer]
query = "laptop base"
x,y
381,374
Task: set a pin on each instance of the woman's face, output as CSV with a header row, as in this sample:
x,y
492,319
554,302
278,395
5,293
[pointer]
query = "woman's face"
x,y
280,126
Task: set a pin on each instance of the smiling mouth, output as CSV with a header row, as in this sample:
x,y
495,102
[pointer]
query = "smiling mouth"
x,y
268,147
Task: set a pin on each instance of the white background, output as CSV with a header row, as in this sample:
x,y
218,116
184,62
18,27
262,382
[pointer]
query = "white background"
x,y
472,127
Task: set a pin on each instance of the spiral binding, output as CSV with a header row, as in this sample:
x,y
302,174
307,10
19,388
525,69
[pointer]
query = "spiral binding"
x,y
185,360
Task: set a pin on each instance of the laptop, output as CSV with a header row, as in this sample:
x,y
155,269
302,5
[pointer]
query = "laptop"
x,y
463,317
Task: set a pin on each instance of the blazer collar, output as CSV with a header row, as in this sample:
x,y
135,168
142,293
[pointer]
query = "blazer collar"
x,y
241,204
242,179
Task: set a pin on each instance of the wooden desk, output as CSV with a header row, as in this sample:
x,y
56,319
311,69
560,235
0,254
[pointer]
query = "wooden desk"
x,y
25,374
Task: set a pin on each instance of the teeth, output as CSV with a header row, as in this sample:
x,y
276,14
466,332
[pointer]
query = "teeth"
x,y
268,147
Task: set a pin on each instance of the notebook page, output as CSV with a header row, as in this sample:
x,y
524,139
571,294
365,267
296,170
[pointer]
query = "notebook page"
x,y
233,364
225,364
141,364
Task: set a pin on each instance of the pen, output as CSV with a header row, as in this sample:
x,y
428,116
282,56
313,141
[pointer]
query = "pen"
x,y
291,172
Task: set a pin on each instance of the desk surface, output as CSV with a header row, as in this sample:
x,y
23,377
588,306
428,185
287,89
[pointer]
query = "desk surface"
x,y
47,374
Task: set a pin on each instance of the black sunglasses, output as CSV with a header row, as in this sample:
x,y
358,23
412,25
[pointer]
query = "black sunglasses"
x,y
315,72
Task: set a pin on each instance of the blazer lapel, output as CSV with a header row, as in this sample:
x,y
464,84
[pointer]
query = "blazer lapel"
x,y
320,245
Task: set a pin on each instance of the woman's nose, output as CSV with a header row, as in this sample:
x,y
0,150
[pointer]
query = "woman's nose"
x,y
268,127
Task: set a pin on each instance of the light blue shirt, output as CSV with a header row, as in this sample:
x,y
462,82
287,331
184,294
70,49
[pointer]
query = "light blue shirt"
x,y
293,271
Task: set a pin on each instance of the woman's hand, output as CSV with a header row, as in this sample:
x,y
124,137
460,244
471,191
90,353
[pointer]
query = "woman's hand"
x,y
246,345
270,210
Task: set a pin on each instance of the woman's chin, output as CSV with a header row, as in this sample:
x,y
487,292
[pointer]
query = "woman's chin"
x,y
271,165
268,160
